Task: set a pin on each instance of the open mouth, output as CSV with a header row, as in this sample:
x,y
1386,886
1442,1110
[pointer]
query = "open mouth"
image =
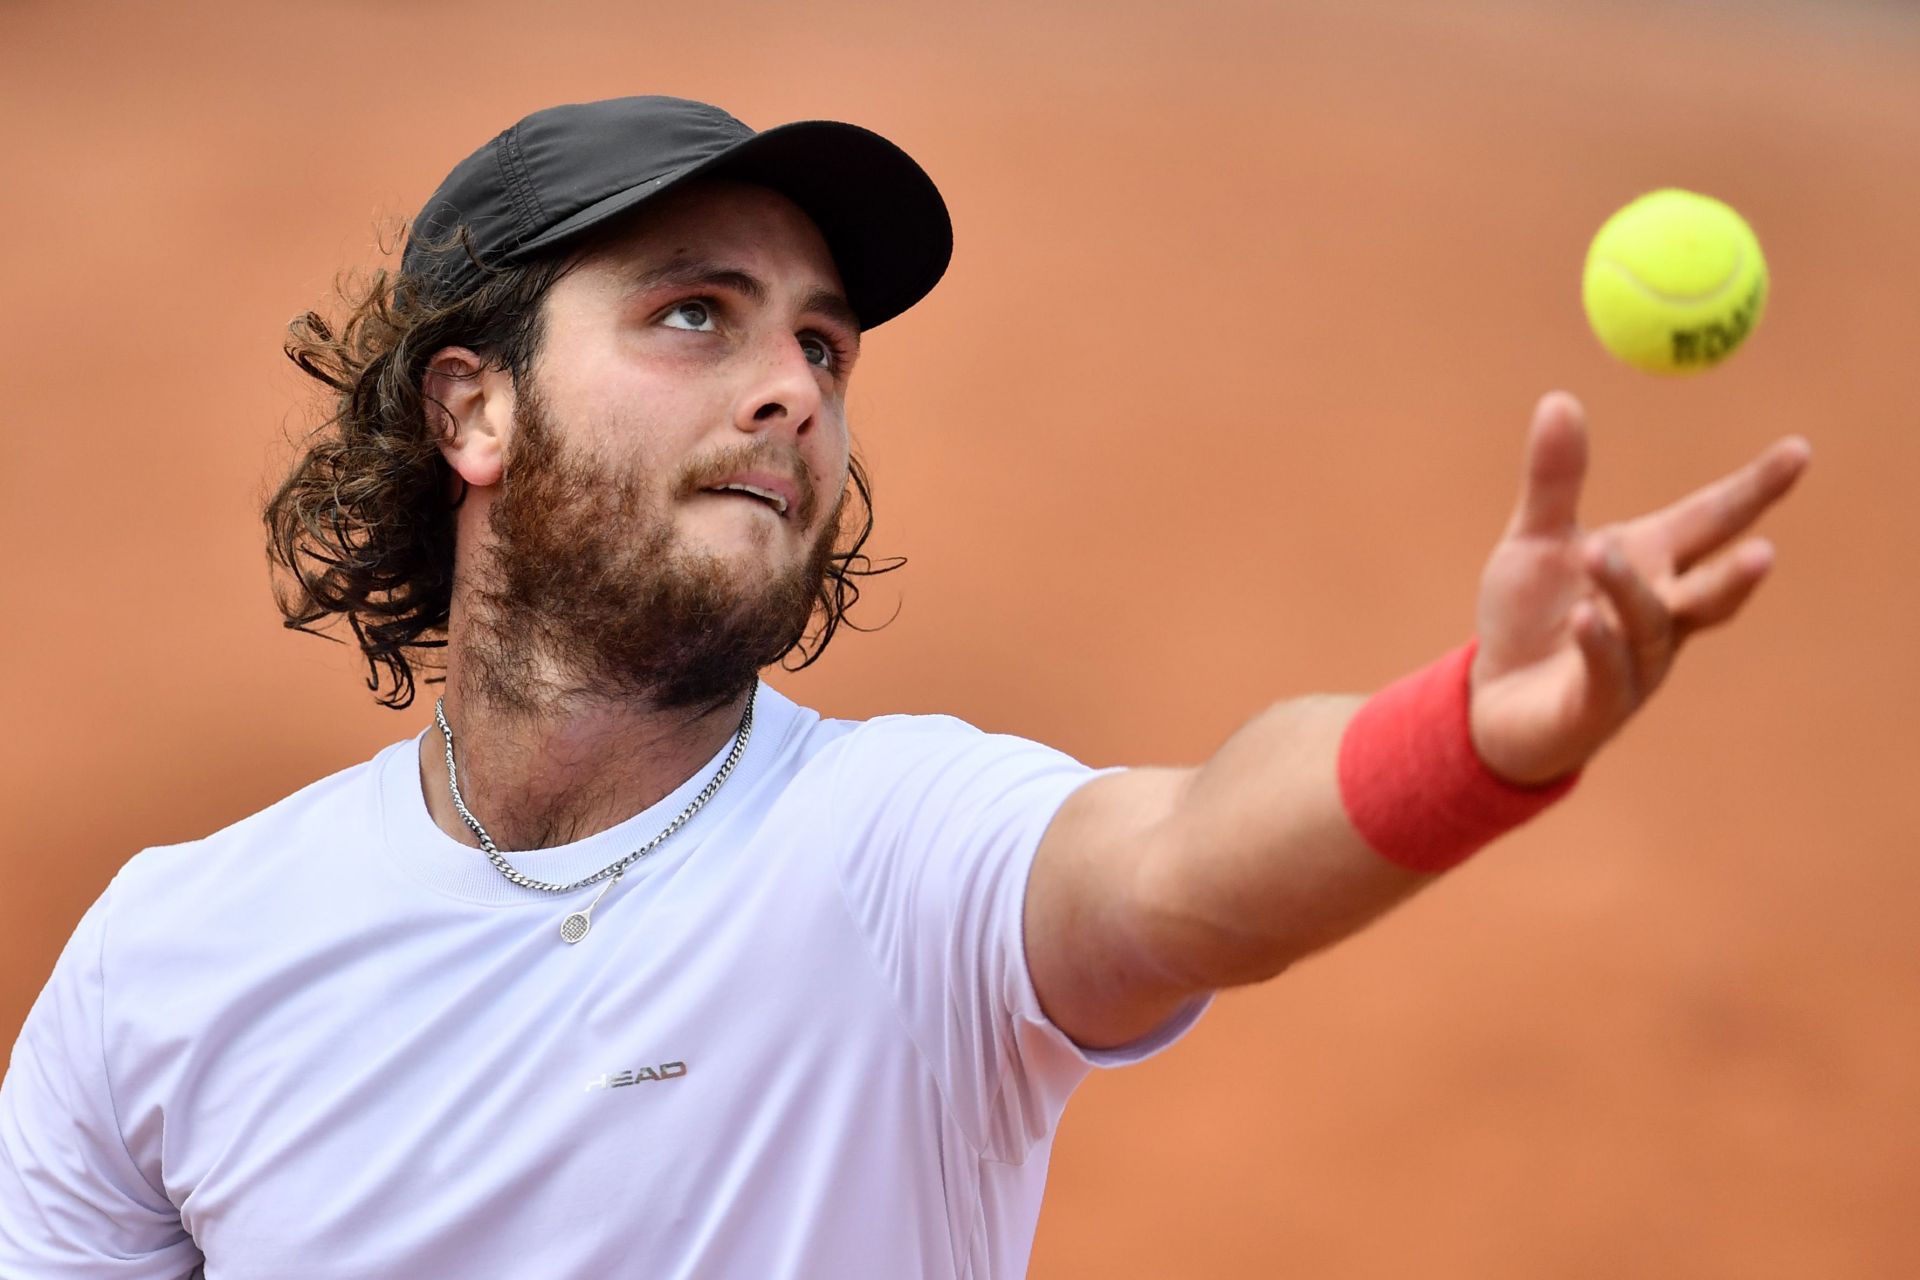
x,y
765,496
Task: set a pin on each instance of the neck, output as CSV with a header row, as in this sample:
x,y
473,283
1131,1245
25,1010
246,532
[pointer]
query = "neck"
x,y
562,763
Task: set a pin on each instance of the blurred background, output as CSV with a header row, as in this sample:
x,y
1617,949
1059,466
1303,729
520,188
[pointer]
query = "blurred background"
x,y
1222,401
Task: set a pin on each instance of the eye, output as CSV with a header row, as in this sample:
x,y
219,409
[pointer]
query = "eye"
x,y
823,352
692,314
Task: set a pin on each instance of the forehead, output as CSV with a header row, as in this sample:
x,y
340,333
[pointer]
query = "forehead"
x,y
751,228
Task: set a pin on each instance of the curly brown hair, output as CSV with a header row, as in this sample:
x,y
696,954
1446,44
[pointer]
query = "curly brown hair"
x,y
362,527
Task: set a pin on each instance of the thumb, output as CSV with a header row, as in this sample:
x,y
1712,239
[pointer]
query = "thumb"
x,y
1555,469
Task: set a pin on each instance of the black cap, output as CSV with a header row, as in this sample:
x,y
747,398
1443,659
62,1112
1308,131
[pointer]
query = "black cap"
x,y
561,172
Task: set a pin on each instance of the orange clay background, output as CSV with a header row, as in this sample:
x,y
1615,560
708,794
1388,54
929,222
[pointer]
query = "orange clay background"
x,y
1221,402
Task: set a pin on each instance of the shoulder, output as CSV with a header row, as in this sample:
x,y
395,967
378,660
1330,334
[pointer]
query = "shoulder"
x,y
906,744
277,846
897,774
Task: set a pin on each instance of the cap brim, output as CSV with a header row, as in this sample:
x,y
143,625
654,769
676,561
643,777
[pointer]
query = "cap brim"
x,y
880,214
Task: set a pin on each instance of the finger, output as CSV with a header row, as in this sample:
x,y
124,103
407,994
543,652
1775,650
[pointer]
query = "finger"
x,y
1704,520
1713,592
1646,624
1556,466
1608,666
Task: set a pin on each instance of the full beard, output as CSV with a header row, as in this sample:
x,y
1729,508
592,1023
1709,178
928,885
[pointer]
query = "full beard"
x,y
588,593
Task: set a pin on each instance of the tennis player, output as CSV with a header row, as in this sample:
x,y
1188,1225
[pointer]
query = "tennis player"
x,y
625,964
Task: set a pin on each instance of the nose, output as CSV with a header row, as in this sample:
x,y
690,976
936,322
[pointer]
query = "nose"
x,y
784,392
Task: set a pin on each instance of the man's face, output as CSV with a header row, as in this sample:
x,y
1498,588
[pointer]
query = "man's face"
x,y
679,453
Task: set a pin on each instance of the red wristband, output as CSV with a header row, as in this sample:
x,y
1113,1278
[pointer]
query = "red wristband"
x,y
1413,785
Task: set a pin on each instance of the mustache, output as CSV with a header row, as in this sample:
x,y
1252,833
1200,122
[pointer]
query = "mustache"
x,y
704,472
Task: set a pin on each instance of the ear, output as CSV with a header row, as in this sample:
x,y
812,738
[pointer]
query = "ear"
x,y
470,407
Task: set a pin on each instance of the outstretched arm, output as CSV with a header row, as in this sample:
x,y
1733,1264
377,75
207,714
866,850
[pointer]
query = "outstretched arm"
x,y
1157,884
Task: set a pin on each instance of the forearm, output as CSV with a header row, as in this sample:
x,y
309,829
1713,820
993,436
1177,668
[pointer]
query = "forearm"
x,y
1322,813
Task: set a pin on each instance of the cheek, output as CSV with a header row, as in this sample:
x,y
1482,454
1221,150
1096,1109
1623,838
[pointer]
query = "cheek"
x,y
834,443
837,454
618,382
632,421
832,474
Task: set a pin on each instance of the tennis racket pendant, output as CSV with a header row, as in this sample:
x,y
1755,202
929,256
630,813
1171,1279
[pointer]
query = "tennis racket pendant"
x,y
576,926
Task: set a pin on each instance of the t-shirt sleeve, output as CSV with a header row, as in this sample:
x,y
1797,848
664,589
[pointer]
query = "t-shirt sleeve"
x,y
935,826
74,1205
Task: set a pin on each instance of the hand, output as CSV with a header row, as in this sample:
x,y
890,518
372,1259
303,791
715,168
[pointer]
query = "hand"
x,y
1578,628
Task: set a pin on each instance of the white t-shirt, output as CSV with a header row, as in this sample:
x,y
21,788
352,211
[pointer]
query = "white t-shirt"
x,y
332,1042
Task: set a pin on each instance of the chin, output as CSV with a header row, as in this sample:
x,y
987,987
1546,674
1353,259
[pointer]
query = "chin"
x,y
735,533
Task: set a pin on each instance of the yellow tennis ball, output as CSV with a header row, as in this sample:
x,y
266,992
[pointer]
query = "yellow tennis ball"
x,y
1674,282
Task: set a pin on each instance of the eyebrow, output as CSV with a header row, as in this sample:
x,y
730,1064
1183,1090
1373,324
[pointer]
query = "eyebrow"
x,y
693,272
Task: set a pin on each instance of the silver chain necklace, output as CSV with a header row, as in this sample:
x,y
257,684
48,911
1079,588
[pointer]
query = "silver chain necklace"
x,y
576,925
